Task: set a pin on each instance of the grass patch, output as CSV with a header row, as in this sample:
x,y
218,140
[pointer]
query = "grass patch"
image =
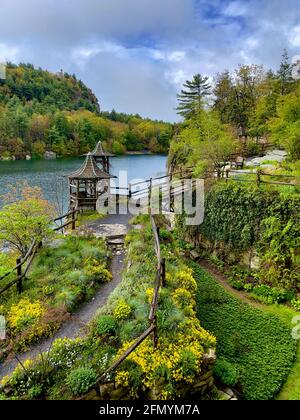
x,y
258,343
88,216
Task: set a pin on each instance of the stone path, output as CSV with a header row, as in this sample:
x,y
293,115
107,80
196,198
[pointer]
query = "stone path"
x,y
76,325
274,155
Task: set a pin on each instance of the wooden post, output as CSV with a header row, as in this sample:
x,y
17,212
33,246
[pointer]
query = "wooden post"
x,y
227,174
150,194
129,190
258,174
118,202
19,274
74,220
155,337
163,272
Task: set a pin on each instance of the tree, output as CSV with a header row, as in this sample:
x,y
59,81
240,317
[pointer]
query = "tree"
x,y
285,127
224,94
23,220
246,92
203,142
191,99
285,74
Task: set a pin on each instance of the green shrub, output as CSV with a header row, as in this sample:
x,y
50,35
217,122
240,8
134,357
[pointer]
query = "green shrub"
x,y
106,325
67,297
248,287
35,392
236,284
165,235
81,379
258,343
270,295
225,372
296,304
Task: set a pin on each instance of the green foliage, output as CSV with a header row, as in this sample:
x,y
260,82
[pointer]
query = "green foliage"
x,y
106,325
35,392
225,372
191,99
241,218
42,111
285,126
269,295
81,379
25,220
62,277
296,304
236,284
257,343
203,141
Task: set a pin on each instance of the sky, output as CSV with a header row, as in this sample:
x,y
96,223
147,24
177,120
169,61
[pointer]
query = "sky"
x,y
135,54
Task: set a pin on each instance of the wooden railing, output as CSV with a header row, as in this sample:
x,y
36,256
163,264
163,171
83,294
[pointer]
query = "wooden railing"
x,y
28,258
73,214
160,281
259,180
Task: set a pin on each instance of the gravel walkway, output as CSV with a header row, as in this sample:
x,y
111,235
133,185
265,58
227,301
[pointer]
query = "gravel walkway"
x,y
75,326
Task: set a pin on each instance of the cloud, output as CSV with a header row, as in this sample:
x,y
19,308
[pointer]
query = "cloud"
x,y
236,8
8,52
294,37
135,54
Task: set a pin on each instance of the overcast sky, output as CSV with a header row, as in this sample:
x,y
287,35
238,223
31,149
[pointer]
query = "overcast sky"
x,y
135,54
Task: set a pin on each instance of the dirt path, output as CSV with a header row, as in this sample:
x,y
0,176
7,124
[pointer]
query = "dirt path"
x,y
76,325
222,279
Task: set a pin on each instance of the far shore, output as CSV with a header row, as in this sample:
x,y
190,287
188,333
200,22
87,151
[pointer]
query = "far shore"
x,y
129,153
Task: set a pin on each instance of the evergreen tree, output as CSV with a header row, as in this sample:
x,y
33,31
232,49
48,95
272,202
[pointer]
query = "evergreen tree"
x,y
224,96
191,98
285,74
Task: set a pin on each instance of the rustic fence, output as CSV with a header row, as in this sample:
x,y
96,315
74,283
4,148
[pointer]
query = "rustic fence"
x,y
259,174
28,258
160,281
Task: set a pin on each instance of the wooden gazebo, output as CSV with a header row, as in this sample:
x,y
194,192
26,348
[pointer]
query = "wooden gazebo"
x,y
87,184
101,156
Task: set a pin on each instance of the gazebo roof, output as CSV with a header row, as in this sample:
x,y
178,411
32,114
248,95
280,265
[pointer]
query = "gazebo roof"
x,y
89,170
100,152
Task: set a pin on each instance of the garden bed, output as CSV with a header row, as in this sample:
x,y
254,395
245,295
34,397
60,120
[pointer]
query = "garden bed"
x,y
63,276
174,368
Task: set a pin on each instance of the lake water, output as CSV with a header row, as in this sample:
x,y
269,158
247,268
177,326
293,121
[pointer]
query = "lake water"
x,y
50,175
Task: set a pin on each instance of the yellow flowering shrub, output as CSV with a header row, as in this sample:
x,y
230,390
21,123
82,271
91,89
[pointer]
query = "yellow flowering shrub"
x,y
122,310
183,279
170,355
23,314
183,298
96,270
149,294
122,378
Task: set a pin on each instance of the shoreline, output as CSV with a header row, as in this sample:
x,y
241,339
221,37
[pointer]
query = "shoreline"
x,y
131,153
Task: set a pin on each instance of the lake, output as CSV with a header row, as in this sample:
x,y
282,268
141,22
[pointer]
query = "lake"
x,y
50,175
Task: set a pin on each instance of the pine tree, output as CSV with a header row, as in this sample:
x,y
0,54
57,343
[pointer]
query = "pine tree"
x,y
285,73
191,98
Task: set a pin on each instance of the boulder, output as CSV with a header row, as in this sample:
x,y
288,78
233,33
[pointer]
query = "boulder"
x,y
106,390
49,155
